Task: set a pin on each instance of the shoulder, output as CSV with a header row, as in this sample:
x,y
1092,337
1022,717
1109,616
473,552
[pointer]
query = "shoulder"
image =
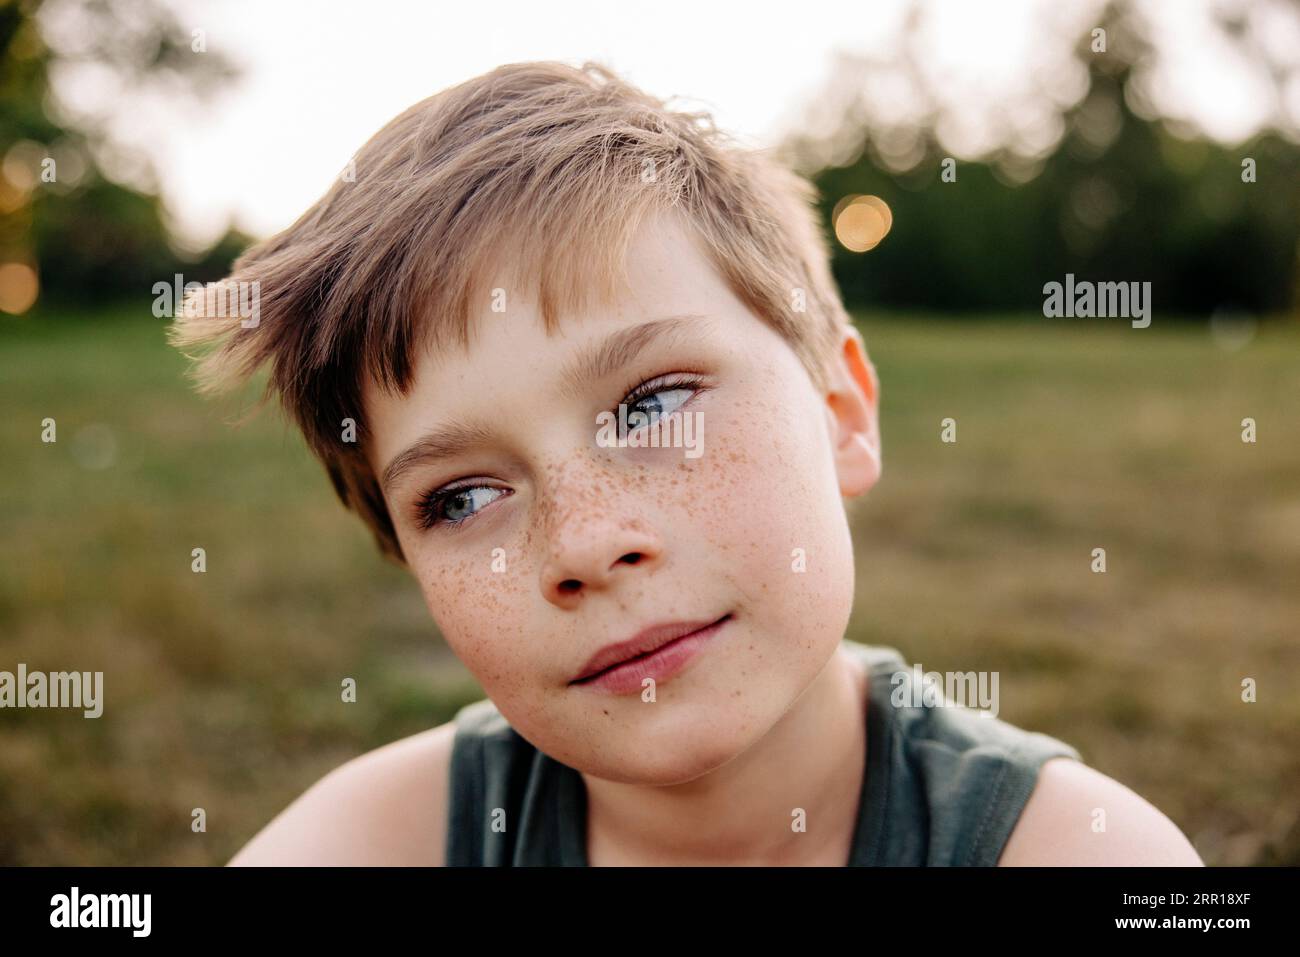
x,y
386,807
1078,816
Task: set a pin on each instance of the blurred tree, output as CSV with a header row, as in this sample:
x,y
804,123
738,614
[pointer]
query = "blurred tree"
x,y
1119,194
84,233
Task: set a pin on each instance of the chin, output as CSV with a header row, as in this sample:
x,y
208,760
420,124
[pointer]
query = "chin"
x,y
677,751
664,766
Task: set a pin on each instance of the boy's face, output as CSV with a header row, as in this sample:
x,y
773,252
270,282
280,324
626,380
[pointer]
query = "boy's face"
x,y
566,545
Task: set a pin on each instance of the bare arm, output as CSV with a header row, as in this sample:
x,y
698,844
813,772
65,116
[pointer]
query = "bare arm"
x,y
1060,824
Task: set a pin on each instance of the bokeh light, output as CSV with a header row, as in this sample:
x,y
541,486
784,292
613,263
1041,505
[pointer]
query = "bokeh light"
x,y
861,222
18,288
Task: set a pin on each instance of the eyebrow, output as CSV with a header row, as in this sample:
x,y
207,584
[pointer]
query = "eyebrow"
x,y
590,365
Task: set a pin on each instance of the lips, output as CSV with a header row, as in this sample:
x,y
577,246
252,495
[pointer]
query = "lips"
x,y
644,643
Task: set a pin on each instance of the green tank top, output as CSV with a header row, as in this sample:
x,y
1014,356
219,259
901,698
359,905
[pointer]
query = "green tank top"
x,y
942,785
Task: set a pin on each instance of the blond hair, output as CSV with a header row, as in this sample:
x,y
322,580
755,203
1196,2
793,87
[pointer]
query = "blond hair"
x,y
542,165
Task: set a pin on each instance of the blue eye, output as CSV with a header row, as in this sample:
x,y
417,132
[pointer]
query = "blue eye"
x,y
649,403
455,505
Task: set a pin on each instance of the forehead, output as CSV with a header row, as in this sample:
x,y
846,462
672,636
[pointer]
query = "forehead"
x,y
666,273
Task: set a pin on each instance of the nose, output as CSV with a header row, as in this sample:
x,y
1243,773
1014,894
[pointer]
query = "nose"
x,y
595,542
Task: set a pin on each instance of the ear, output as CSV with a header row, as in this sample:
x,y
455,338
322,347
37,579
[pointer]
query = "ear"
x,y
852,402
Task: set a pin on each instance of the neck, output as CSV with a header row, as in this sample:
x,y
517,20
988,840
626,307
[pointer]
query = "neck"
x,y
743,812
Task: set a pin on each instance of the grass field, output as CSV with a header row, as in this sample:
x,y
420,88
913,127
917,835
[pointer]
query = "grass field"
x,y
223,688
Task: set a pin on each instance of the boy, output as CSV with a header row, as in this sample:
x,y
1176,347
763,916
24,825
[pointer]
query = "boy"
x,y
513,265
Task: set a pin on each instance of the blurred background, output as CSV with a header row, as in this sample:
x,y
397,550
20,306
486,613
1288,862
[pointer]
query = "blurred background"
x,y
147,138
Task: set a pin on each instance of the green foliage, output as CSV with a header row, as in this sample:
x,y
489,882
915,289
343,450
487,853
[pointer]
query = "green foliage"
x,y
89,237
1121,198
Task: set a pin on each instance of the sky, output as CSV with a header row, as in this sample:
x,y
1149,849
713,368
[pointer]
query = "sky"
x,y
319,77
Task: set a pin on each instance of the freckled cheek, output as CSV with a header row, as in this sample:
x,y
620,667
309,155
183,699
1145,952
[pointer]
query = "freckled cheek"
x,y
760,472
476,608
765,488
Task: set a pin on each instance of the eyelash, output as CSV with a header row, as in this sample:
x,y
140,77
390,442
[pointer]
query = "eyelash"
x,y
428,506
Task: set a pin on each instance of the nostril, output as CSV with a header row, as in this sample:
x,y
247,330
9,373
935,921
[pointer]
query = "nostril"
x,y
631,558
570,585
